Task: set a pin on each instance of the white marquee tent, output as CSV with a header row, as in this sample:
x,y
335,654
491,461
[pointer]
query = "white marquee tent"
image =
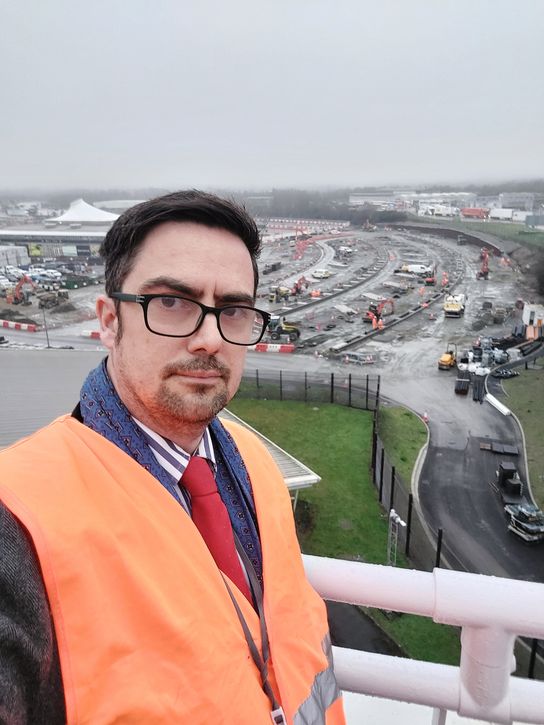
x,y
82,213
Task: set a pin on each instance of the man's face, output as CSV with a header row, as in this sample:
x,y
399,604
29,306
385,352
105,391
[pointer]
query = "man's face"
x,y
171,383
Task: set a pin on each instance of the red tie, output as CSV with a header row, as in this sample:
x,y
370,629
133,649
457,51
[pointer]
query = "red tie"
x,y
211,518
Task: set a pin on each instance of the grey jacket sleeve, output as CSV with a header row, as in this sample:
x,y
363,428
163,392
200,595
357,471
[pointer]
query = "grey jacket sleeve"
x,y
31,691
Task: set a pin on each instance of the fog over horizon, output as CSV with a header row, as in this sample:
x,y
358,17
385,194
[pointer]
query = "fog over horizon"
x,y
249,96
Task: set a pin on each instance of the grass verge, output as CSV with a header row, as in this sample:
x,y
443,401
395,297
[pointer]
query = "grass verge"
x,y
341,515
525,397
403,435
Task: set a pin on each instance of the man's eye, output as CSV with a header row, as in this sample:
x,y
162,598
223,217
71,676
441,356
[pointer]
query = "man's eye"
x,y
236,313
168,302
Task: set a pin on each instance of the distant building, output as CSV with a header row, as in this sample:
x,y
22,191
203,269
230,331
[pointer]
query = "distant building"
x,y
46,243
434,209
488,202
517,200
535,220
17,256
380,198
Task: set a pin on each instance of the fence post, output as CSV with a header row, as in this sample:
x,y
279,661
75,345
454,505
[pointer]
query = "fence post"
x,y
366,394
532,659
281,386
392,491
305,386
349,390
382,462
438,549
409,524
374,449
332,387
257,382
378,393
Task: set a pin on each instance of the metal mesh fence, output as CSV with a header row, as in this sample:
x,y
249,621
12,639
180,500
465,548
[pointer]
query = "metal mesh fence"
x,y
393,493
349,390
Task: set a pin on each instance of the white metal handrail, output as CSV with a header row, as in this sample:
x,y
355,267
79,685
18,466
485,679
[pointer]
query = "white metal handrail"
x,y
491,612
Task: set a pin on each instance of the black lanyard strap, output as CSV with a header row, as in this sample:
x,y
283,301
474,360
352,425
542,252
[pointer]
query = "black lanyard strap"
x,y
261,662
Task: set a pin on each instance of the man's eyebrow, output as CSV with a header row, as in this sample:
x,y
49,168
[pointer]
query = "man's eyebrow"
x,y
175,286
238,298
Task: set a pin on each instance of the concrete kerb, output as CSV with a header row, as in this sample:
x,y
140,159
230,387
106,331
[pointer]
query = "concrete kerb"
x,y
416,473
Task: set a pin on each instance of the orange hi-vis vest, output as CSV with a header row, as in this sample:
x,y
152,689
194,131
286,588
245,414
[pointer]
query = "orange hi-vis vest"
x,y
145,626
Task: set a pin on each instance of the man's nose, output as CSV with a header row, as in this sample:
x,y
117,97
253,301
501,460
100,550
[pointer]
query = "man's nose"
x,y
207,337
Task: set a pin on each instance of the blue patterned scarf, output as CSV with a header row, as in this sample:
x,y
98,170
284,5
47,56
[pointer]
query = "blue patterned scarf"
x,y
103,411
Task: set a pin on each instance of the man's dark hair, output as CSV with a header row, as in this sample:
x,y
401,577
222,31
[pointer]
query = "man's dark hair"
x,y
124,239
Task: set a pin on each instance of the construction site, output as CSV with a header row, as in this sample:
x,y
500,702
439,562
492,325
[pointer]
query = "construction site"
x,y
396,285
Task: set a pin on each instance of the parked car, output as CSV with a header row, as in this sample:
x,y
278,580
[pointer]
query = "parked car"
x,y
357,358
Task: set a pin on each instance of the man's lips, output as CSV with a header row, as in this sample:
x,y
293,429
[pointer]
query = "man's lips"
x,y
200,374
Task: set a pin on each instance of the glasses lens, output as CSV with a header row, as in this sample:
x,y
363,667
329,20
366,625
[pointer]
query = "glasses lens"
x,y
241,325
171,315
179,317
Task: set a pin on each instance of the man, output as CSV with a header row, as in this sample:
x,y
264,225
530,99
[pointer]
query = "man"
x,y
123,596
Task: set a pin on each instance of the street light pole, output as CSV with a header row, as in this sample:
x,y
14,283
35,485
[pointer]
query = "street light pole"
x,y
46,330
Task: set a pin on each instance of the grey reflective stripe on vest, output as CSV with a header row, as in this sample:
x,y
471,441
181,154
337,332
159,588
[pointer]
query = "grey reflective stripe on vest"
x,y
324,692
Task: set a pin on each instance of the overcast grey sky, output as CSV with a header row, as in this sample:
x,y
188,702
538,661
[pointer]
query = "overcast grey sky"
x,y
253,94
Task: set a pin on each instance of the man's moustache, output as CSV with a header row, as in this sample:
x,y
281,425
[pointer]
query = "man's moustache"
x,y
198,365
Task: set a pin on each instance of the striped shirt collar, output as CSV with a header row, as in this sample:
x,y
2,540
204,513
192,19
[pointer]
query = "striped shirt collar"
x,y
172,457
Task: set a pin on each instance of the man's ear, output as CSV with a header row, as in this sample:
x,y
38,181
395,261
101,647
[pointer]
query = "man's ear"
x,y
109,322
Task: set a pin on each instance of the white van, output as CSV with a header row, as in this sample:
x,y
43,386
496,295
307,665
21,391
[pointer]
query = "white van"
x,y
321,274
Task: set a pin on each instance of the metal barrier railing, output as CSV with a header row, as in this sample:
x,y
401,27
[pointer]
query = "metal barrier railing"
x,y
491,612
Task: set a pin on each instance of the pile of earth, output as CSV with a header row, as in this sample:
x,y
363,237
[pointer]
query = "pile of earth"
x,y
14,315
65,307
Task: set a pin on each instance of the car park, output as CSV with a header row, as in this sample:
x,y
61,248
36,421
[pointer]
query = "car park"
x,y
53,273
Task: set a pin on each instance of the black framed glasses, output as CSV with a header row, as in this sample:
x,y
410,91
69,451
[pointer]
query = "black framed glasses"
x,y
175,316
